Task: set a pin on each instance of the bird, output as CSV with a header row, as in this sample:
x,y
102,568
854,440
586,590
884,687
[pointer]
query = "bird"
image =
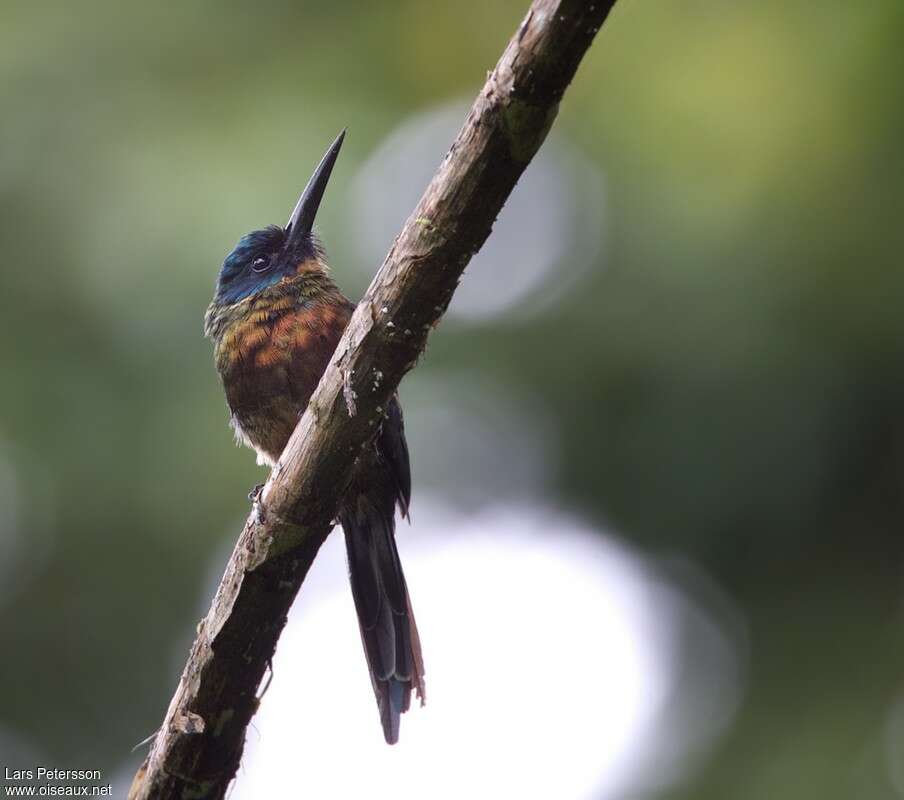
x,y
275,320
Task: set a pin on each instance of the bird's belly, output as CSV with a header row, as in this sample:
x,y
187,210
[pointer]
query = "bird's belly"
x,y
264,459
268,396
266,429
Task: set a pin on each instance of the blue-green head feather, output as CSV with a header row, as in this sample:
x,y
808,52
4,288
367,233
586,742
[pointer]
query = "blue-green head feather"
x,y
261,259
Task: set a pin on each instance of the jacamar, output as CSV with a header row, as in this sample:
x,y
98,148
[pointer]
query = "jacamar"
x,y
275,320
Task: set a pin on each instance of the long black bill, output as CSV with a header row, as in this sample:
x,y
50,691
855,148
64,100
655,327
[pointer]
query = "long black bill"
x,y
302,219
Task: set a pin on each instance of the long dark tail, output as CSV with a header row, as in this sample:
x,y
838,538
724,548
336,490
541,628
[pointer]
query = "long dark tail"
x,y
388,630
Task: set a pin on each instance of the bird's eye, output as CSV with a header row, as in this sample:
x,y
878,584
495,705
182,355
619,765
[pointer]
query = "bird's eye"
x,y
260,264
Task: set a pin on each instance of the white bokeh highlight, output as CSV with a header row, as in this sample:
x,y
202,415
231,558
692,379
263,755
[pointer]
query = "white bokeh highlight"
x,y
547,235
550,661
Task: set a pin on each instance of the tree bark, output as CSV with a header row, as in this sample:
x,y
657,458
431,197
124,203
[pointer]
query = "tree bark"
x,y
197,750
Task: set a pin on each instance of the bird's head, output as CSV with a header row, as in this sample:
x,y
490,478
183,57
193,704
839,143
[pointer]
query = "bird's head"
x,y
263,258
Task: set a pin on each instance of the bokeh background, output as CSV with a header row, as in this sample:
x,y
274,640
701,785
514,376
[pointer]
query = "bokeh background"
x,y
658,442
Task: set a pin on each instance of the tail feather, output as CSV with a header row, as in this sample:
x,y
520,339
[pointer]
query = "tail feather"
x,y
388,629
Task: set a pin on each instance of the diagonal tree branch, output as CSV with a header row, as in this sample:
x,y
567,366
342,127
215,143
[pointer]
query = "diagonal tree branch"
x,y
197,750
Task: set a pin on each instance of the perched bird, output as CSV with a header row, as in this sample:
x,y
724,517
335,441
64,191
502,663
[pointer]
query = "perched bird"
x,y
275,320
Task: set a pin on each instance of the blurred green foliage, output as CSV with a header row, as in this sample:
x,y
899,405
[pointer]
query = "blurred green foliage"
x,y
726,382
